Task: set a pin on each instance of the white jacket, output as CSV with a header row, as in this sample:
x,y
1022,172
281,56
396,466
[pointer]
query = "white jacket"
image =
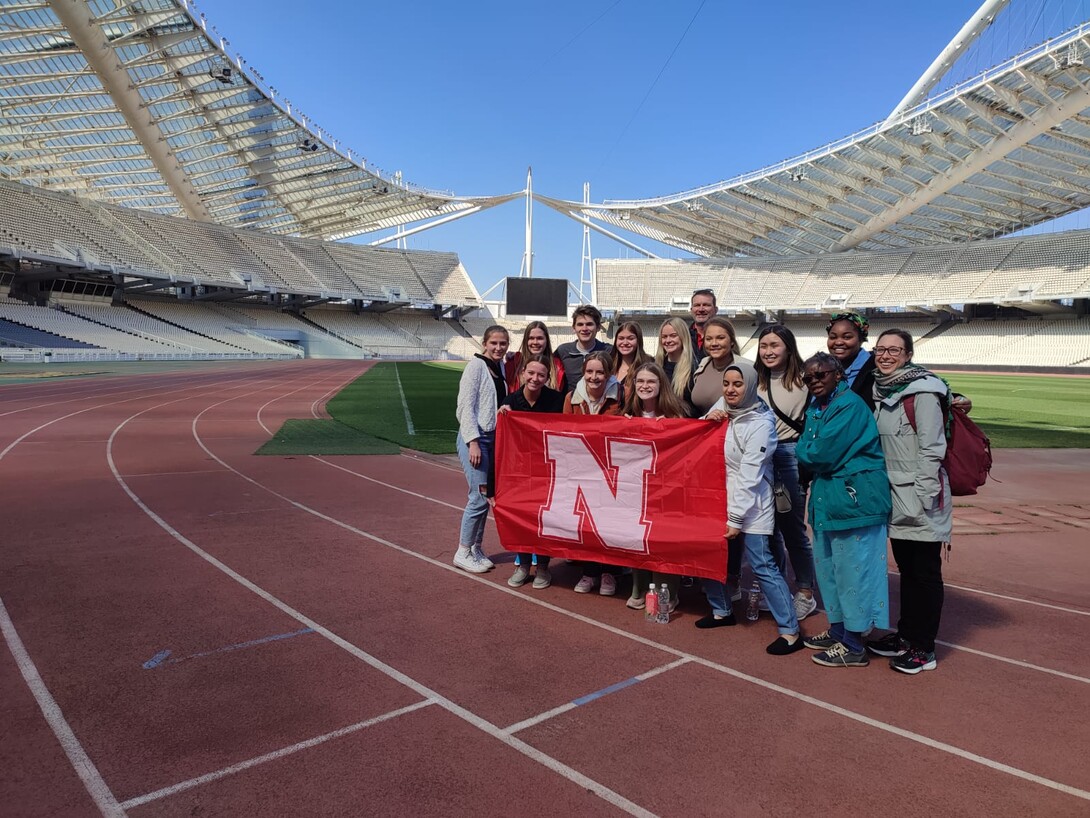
x,y
748,447
477,407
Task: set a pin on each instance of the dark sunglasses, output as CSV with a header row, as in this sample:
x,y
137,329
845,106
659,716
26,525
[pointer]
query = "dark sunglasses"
x,y
820,375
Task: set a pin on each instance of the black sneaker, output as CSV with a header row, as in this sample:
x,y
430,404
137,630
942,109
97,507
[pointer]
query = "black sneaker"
x,y
823,641
840,655
889,645
913,660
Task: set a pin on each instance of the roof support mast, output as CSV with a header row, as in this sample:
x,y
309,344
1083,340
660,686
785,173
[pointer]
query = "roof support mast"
x,y
90,39
973,28
527,267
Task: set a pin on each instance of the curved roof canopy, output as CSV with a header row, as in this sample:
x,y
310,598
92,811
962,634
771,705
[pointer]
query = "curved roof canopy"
x,y
1008,149
137,102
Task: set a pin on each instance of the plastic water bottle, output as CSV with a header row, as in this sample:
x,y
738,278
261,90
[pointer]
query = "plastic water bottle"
x,y
752,609
651,603
663,617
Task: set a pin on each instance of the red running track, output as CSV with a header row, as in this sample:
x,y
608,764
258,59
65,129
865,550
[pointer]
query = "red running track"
x,y
193,630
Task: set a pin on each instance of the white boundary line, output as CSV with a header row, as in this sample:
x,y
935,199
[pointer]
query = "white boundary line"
x,y
182,786
828,706
1018,599
573,775
1016,662
404,404
90,776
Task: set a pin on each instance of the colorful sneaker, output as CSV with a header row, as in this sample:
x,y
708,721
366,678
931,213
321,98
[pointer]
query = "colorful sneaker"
x,y
585,585
913,660
889,645
518,579
543,578
822,641
478,555
464,559
804,605
609,585
839,655
636,603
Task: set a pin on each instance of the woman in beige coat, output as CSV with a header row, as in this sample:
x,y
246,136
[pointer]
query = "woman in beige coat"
x,y
910,407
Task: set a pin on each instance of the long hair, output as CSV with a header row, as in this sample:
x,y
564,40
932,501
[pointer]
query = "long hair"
x,y
792,371
683,369
726,325
640,356
668,404
525,354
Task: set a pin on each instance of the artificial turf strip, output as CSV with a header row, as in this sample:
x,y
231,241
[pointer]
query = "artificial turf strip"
x,y
304,437
1029,411
372,404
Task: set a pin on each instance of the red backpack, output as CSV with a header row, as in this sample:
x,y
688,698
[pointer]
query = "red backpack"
x,y
968,457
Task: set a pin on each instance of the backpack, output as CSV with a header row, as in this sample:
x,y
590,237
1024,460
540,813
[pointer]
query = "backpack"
x,y
968,457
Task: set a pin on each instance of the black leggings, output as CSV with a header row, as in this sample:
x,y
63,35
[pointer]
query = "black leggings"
x,y
920,565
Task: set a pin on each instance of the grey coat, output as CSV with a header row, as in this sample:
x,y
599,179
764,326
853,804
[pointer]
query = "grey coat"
x,y
922,505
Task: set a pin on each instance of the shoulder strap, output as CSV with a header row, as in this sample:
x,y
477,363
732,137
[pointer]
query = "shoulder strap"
x,y
794,423
909,405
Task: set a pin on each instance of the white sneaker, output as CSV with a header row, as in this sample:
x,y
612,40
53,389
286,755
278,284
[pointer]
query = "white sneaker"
x,y
543,578
478,555
518,579
464,559
609,585
585,585
804,605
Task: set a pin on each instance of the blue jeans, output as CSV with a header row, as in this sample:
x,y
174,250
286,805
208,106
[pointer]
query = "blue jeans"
x,y
768,577
473,518
791,525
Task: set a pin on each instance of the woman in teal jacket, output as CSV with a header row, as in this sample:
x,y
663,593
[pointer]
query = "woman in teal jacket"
x,y
849,508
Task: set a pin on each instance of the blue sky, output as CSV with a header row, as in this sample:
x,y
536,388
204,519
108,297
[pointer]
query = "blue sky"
x,y
463,96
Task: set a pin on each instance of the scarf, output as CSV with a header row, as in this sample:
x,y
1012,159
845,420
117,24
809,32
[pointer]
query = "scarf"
x,y
750,401
897,380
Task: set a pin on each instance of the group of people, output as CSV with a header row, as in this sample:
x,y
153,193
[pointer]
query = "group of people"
x,y
850,440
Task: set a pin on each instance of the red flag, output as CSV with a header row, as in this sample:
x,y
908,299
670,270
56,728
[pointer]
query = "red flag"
x,y
622,491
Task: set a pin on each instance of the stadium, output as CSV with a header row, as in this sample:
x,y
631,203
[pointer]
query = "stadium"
x,y
193,272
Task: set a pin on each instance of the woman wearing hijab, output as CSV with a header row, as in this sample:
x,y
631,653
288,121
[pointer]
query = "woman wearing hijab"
x,y
749,445
849,508
480,391
921,520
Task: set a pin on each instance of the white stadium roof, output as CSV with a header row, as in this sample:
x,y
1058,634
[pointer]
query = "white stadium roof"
x,y
1008,149
138,103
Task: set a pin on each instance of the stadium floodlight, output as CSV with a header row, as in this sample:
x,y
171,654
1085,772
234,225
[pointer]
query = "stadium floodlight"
x,y
798,175
308,145
221,73
920,125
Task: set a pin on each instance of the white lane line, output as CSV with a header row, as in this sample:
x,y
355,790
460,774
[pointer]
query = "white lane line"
x,y
182,786
564,708
381,483
96,786
573,775
828,706
1017,662
337,388
271,401
404,403
1018,599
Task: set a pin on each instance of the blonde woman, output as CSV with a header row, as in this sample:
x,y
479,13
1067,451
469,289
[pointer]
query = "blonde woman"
x,y
675,354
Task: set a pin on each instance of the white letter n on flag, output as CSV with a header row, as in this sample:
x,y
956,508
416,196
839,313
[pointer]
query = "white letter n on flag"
x,y
610,498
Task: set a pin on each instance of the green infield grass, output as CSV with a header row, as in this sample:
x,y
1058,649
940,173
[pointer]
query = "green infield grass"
x,y
411,404
1028,411
1015,411
303,436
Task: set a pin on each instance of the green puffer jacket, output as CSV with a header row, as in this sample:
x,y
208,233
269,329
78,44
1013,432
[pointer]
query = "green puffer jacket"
x,y
840,446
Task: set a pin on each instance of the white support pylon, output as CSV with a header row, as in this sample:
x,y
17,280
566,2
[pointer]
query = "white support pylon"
x,y
586,284
527,267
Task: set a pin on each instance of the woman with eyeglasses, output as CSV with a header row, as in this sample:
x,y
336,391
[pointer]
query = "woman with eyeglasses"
x,y
849,510
911,425
749,446
779,384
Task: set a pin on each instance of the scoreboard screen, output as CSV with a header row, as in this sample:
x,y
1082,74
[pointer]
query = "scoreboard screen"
x,y
537,296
